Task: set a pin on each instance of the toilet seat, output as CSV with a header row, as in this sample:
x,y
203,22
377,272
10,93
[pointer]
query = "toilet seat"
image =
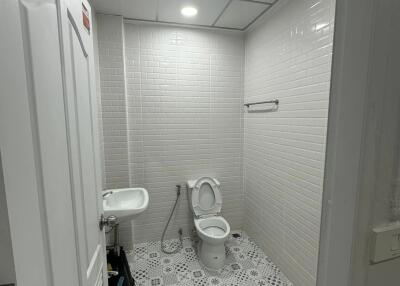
x,y
206,197
214,231
214,228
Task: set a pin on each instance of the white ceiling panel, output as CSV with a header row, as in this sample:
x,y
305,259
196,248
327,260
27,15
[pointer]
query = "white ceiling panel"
x,y
231,14
208,11
240,13
140,9
135,9
108,7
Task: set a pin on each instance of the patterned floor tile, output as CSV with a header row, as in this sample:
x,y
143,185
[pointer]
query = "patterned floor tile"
x,y
246,265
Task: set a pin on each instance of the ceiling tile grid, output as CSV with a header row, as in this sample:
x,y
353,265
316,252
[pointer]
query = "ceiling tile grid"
x,y
227,14
239,14
208,11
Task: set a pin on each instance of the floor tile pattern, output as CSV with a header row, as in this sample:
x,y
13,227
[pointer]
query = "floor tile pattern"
x,y
246,264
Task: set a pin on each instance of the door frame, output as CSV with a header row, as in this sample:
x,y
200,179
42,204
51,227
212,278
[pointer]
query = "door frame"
x,y
349,78
357,89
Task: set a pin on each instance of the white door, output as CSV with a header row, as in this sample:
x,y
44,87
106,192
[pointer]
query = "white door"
x,y
82,133
49,143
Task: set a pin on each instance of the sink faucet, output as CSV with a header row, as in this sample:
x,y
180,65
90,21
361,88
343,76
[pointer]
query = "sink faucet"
x,y
106,194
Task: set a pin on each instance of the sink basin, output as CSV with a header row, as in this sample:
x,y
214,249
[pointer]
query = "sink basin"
x,y
125,204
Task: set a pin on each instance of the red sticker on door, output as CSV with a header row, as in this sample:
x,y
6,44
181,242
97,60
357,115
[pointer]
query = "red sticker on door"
x,y
85,17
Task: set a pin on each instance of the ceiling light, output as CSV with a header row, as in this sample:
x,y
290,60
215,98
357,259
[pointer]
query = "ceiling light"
x,y
189,11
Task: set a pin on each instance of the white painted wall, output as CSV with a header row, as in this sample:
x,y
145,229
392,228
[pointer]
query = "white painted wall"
x,y
381,148
363,142
344,140
288,57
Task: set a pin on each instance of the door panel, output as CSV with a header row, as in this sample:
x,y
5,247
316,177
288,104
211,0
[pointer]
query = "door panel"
x,y
43,74
85,143
84,169
49,144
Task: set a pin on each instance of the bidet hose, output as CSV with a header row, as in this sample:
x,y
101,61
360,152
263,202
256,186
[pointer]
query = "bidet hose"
x,y
178,194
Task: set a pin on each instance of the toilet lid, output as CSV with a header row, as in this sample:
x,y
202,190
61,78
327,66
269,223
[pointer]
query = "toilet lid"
x,y
206,197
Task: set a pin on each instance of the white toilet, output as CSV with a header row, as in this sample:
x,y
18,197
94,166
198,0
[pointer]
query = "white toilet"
x,y
212,228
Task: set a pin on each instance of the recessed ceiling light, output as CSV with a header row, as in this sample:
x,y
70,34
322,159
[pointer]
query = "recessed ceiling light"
x,y
189,11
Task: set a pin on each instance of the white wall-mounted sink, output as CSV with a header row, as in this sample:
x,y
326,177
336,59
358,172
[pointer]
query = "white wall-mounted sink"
x,y
125,204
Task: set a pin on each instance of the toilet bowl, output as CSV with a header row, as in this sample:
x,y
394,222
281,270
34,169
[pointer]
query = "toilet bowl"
x,y
212,228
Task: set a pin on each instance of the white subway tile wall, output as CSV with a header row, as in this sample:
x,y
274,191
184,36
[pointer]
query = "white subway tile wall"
x,y
98,97
110,36
113,101
171,99
288,57
185,96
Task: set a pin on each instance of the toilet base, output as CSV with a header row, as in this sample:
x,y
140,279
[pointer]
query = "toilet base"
x,y
212,256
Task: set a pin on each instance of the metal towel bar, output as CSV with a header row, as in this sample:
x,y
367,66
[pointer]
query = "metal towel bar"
x,y
275,101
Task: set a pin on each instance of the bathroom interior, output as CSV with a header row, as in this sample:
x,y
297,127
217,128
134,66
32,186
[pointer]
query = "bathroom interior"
x,y
173,109
187,142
